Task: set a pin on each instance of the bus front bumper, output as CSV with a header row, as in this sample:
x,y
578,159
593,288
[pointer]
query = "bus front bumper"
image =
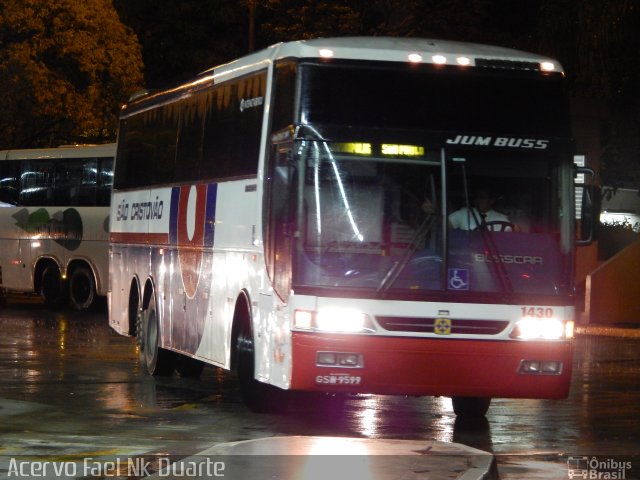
x,y
426,366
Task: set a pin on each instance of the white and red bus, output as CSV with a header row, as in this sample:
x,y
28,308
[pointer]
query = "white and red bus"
x,y
285,215
54,220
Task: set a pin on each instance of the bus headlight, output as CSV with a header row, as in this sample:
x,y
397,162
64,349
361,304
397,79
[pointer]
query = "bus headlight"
x,y
539,329
333,319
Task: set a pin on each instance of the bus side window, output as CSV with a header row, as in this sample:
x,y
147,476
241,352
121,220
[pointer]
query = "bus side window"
x,y
190,138
9,183
34,183
75,182
104,182
62,189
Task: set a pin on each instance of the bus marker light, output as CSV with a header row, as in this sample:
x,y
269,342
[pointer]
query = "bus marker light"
x,y
439,59
547,66
415,57
568,329
463,61
325,53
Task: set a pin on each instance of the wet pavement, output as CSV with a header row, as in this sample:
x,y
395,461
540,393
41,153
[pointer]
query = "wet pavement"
x,y
72,388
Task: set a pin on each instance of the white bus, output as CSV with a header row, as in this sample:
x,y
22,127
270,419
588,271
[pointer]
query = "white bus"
x,y
285,215
54,209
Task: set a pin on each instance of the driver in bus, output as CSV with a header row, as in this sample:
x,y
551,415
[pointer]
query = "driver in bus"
x,y
481,216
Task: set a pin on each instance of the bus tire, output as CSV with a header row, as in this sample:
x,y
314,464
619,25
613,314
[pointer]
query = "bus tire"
x,y
155,360
82,288
52,287
470,407
259,397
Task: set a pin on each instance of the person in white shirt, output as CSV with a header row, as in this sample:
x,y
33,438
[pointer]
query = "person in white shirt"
x,y
481,215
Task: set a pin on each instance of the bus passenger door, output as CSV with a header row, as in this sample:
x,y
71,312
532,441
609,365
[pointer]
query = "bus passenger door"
x,y
15,273
280,222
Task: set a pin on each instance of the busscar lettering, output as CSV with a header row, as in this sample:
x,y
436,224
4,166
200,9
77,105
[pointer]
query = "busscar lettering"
x,y
509,259
503,142
140,210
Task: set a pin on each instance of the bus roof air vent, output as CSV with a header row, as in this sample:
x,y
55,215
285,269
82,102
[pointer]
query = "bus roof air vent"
x,y
506,64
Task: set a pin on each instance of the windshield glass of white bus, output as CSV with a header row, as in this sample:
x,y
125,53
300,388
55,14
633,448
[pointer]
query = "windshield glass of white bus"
x,y
368,210
372,218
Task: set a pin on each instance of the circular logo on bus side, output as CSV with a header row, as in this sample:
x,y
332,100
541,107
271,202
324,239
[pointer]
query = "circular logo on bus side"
x,y
191,221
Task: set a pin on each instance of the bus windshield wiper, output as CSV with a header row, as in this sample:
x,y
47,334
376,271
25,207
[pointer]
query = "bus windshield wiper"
x,y
398,267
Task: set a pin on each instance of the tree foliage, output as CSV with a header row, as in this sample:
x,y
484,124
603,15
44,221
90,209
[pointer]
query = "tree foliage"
x,y
597,41
65,68
181,38
303,19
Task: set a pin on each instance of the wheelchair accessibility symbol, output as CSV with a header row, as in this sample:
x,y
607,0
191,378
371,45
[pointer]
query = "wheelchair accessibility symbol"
x,y
458,279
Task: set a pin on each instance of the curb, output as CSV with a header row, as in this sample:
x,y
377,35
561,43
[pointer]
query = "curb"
x,y
338,458
608,331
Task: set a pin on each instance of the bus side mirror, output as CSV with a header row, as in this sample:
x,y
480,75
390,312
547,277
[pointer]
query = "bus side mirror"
x,y
588,208
588,215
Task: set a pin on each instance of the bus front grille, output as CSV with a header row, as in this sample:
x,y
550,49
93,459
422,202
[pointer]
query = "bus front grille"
x,y
428,325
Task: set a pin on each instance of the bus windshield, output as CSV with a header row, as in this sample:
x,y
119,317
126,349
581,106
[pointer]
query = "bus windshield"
x,y
372,217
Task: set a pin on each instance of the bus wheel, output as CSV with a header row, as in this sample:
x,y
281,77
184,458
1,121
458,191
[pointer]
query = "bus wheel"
x,y
259,397
155,360
471,407
82,288
52,287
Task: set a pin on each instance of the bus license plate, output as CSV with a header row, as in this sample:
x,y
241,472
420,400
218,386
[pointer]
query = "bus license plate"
x,y
338,379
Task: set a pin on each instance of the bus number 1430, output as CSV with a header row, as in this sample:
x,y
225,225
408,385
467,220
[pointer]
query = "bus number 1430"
x,y
537,312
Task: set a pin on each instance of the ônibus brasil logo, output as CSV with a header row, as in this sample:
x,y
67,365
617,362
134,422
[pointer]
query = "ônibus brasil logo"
x,y
597,468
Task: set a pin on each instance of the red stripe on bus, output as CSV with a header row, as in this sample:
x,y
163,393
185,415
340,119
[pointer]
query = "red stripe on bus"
x,y
140,238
